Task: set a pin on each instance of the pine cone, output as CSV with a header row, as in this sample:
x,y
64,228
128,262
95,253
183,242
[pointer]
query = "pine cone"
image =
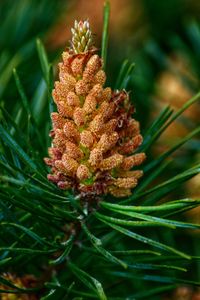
x,y
94,135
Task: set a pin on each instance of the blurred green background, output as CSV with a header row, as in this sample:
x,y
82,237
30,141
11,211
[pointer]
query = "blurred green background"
x,y
146,32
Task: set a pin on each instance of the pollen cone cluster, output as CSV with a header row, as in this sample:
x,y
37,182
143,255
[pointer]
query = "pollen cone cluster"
x,y
94,137
27,281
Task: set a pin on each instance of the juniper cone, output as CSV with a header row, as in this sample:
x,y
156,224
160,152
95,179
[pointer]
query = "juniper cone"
x,y
94,136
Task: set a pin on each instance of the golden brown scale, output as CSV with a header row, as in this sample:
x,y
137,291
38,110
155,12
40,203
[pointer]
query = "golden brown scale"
x,y
94,135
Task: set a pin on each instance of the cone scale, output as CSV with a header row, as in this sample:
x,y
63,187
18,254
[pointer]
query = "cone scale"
x,y
94,136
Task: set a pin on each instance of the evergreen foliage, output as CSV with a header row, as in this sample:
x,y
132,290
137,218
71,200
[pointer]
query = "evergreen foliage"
x,y
133,248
